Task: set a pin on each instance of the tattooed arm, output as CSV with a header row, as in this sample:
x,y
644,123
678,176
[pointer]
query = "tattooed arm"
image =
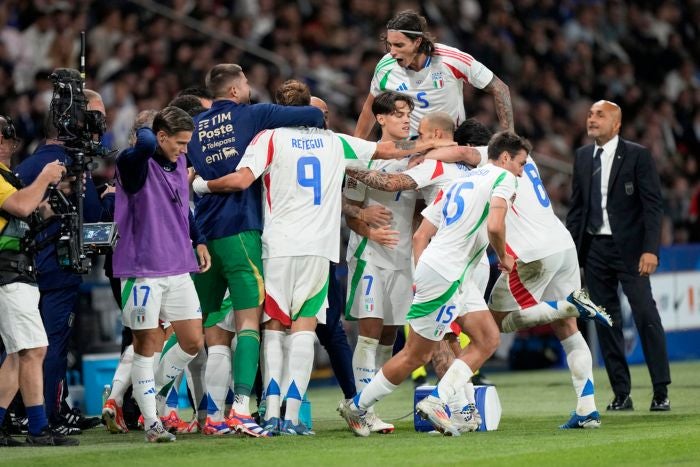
x,y
382,180
403,148
501,97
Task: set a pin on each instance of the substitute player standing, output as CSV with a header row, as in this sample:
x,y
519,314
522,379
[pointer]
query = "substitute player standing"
x,y
154,257
432,74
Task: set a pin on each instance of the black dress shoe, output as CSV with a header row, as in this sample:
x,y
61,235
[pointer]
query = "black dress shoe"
x,y
621,402
660,404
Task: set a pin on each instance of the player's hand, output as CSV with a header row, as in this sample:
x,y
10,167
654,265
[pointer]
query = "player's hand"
x,y
200,187
53,172
506,264
384,236
647,264
108,190
204,257
376,215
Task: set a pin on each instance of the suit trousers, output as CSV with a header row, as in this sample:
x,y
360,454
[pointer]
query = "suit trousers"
x,y
58,308
603,270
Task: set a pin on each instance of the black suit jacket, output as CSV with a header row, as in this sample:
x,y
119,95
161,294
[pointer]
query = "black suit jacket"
x,y
634,202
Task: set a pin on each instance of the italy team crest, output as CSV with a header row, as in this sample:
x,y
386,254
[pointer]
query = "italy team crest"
x,y
438,80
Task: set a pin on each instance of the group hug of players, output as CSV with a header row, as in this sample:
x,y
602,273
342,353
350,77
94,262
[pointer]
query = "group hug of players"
x,y
266,226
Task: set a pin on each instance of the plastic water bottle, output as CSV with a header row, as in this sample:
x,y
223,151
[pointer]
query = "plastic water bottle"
x,y
105,394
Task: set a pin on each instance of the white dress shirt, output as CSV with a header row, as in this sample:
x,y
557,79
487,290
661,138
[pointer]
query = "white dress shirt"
x,y
606,160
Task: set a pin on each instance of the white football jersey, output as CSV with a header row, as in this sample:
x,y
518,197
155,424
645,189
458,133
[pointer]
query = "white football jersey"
x,y
459,212
402,204
436,87
432,175
302,170
533,230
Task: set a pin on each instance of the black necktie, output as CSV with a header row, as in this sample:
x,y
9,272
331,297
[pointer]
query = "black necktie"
x,y
595,218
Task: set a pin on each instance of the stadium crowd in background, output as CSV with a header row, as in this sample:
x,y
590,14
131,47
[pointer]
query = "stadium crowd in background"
x,y
556,57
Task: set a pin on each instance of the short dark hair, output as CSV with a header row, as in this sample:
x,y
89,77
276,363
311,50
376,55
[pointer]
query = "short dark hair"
x,y
472,132
293,92
196,91
219,78
172,120
409,20
186,102
509,142
385,103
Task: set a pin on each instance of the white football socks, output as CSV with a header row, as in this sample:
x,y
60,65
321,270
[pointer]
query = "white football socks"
x,y
376,390
578,357
364,361
217,376
301,362
451,387
122,376
273,369
144,388
542,313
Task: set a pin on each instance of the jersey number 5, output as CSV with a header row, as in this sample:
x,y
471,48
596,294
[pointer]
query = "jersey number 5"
x,y
309,175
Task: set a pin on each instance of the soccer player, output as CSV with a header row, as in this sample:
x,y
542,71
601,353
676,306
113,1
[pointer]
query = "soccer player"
x,y
232,224
432,74
546,269
302,169
154,258
456,229
379,259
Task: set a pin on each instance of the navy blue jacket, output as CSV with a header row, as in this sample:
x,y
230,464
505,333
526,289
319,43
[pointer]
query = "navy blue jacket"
x,y
220,138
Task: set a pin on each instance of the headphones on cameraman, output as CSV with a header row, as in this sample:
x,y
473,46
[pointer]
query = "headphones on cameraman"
x,y
8,131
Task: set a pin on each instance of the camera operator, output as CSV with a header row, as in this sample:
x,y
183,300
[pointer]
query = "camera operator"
x,y
21,328
59,287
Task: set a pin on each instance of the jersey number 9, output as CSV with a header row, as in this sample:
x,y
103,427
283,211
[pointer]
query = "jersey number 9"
x,y
309,175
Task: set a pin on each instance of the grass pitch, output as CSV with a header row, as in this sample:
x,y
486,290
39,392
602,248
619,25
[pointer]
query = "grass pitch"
x,y
534,404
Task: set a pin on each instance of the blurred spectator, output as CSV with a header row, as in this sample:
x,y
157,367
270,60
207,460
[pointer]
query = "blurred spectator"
x,y
556,57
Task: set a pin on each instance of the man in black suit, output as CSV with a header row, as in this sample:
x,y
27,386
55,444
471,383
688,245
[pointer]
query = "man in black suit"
x,y
615,220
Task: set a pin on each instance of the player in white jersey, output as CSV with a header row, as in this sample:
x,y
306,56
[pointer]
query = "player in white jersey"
x,y
302,170
379,268
432,74
429,177
546,269
456,230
